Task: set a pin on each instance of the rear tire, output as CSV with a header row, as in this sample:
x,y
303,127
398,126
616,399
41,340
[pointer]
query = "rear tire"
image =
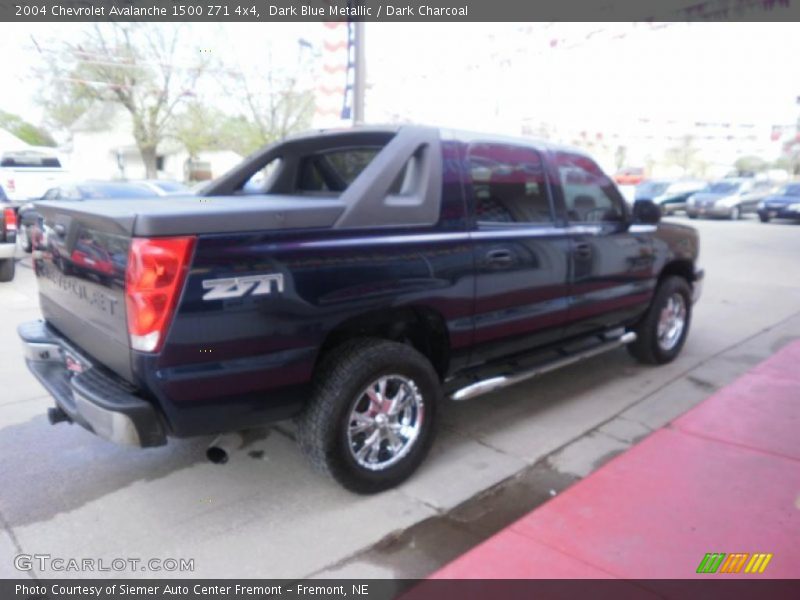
x,y
661,333
7,268
343,414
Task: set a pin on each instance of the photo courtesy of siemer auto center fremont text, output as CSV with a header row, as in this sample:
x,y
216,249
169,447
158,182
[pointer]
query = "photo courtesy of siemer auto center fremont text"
x,y
341,298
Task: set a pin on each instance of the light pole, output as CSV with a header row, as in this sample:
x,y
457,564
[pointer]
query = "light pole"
x,y
359,72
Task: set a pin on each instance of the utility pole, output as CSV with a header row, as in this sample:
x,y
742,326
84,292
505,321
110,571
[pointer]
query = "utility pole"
x,y
359,73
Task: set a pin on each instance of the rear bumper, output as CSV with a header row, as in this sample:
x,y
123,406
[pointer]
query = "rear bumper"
x,y
7,250
709,211
778,213
697,284
91,398
669,208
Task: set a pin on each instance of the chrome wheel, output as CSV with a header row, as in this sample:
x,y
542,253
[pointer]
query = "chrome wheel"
x,y
671,322
385,422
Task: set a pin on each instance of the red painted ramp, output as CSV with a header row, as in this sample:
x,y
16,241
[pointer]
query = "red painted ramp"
x,y
723,478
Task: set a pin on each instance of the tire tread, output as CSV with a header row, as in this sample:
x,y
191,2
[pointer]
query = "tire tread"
x,y
317,424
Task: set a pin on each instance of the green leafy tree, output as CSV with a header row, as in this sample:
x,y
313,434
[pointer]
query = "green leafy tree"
x,y
685,156
200,127
791,155
749,165
272,104
27,132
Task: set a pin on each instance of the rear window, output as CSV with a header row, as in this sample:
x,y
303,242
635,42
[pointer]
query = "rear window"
x,y
112,190
724,187
170,186
792,190
651,189
29,160
333,171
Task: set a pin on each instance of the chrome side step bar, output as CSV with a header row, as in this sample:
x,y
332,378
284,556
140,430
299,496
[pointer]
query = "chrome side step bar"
x,y
496,383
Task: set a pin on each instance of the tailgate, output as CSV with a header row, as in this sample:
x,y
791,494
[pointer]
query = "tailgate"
x,y
80,267
31,182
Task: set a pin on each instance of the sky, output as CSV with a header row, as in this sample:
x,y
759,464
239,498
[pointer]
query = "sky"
x,y
489,76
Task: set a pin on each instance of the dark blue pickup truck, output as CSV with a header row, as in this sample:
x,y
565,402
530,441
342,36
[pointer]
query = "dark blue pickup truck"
x,y
351,280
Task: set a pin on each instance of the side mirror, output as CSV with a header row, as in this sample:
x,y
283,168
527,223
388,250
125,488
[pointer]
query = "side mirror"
x,y
646,212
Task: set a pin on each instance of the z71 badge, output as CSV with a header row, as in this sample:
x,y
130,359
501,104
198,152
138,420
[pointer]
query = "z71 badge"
x,y
237,287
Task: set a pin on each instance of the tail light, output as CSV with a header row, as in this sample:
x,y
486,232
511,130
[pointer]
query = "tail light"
x,y
10,219
153,282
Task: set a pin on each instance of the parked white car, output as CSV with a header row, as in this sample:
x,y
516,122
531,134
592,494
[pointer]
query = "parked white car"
x,y
29,174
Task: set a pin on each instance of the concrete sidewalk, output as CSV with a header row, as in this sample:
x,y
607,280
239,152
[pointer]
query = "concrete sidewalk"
x,y
722,478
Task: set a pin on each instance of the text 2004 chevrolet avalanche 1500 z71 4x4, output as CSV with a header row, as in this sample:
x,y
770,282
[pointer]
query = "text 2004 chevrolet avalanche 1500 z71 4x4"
x,y
351,280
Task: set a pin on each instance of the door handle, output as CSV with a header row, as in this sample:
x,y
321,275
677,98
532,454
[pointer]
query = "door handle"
x,y
499,258
583,251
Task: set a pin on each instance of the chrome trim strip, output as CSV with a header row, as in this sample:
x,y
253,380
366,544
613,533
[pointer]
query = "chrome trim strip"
x,y
643,229
42,352
521,232
453,236
585,229
496,383
697,290
108,424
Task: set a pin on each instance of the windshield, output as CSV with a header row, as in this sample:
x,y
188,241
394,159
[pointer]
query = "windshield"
x,y
724,187
651,189
114,190
169,186
792,190
29,159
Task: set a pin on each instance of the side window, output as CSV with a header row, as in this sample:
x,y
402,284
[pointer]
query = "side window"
x,y
333,171
262,180
508,184
70,193
762,186
589,195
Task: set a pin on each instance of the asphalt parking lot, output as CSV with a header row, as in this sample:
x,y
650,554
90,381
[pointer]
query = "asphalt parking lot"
x,y
68,494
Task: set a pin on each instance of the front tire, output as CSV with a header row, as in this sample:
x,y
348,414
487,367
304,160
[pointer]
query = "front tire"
x,y
763,218
370,421
661,333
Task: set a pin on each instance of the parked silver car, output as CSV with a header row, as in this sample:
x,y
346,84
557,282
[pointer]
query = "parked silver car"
x,y
729,198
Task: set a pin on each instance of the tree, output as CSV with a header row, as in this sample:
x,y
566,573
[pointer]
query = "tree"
x,y
747,166
684,155
791,154
273,104
135,66
27,132
620,156
200,127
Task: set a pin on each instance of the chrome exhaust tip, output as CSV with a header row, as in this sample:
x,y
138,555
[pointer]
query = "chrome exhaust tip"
x,y
222,447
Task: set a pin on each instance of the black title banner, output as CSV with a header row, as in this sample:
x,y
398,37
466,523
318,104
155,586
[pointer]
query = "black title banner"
x,y
710,588
413,11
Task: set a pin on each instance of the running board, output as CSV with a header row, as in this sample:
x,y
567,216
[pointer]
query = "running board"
x,y
496,383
